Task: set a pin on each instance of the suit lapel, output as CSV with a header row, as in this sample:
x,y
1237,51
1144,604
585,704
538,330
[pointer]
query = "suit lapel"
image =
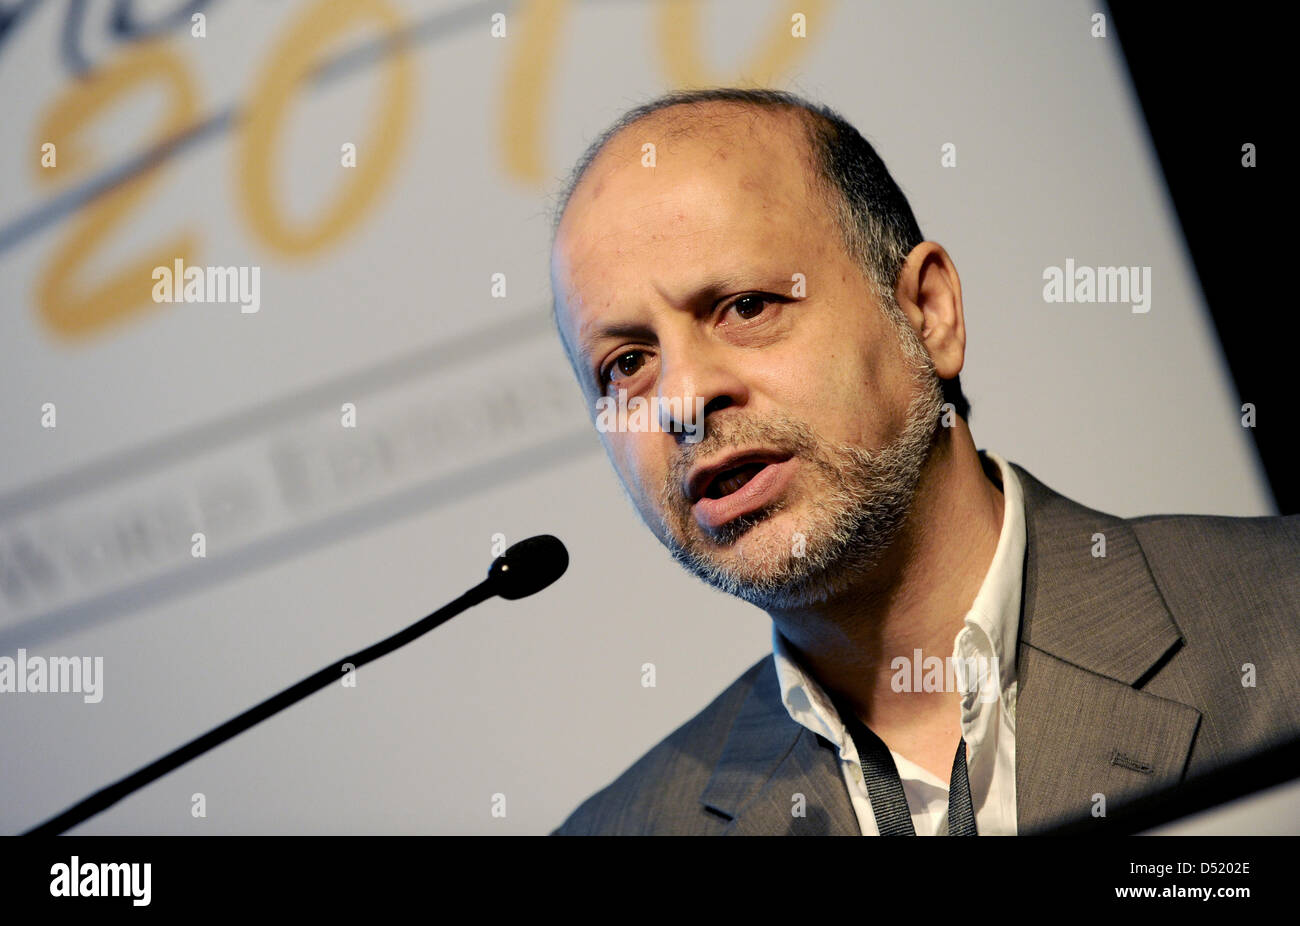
x,y
1091,629
768,761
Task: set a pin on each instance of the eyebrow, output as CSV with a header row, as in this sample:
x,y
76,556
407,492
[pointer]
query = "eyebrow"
x,y
612,331
704,295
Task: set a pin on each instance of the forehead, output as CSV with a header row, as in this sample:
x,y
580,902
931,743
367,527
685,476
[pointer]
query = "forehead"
x,y
726,191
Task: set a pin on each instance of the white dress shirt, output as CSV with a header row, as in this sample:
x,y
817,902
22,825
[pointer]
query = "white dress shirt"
x,y
989,725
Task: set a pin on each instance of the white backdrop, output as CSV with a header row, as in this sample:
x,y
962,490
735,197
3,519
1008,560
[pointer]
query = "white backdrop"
x,y
322,539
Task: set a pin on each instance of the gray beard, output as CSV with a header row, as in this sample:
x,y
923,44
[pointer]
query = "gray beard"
x,y
864,497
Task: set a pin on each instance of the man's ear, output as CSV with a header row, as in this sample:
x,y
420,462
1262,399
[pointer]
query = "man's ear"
x,y
929,293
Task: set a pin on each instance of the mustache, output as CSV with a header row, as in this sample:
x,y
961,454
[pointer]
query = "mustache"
x,y
786,435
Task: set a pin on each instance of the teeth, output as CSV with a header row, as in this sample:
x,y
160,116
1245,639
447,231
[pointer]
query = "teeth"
x,y
734,479
732,484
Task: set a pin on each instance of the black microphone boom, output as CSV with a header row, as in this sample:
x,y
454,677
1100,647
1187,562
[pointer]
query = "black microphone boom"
x,y
524,569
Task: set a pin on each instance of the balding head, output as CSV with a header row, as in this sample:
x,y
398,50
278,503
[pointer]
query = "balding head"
x,y
730,155
842,173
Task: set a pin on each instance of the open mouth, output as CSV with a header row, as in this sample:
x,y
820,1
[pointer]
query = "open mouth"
x,y
731,480
742,488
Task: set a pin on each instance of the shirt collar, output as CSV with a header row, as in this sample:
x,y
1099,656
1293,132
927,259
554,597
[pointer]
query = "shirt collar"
x,y
996,610
995,615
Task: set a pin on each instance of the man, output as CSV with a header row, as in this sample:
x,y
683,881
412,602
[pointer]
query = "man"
x,y
956,647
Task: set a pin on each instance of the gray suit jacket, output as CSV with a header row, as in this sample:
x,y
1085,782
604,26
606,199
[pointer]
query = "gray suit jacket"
x,y
1130,681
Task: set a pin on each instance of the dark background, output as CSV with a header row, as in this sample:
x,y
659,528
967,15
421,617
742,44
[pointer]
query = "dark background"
x,y
1207,81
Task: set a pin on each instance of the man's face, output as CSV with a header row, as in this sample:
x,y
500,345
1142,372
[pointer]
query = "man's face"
x,y
717,274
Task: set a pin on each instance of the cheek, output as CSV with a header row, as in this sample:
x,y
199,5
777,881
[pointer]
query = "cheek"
x,y
840,386
826,371
637,466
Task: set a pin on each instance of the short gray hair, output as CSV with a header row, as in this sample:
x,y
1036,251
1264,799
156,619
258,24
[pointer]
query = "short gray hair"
x,y
874,217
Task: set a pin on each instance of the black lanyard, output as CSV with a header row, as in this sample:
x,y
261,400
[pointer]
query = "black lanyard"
x,y
885,788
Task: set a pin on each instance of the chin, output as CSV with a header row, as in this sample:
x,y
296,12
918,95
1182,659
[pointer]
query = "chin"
x,y
763,562
770,541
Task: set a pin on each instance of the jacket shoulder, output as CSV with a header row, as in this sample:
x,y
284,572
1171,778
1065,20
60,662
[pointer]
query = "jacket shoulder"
x,y
659,794
1232,554
1233,587
1232,581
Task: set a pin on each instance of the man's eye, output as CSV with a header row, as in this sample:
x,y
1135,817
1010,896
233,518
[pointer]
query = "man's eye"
x,y
749,305
625,364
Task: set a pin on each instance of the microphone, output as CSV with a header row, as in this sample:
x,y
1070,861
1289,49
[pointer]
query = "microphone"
x,y
528,567
524,569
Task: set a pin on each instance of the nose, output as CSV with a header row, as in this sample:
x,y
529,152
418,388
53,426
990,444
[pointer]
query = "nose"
x,y
696,381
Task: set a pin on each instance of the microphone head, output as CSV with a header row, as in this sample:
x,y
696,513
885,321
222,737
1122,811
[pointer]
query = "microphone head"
x,y
528,566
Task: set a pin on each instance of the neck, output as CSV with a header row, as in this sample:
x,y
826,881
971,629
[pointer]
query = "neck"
x,y
916,598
